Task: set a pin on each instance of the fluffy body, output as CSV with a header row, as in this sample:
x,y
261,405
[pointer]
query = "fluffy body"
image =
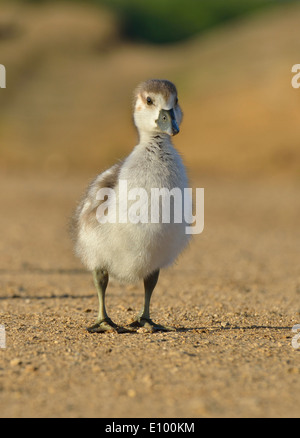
x,y
132,251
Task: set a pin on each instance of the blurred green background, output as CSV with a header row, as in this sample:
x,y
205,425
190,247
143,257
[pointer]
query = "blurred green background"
x,y
170,21
72,66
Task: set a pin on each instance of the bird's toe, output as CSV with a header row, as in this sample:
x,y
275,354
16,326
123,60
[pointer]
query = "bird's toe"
x,y
108,326
149,326
102,327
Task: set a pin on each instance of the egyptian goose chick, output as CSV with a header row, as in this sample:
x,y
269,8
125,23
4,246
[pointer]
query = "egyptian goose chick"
x,y
113,245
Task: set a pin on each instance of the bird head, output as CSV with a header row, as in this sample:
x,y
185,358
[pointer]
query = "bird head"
x,y
156,108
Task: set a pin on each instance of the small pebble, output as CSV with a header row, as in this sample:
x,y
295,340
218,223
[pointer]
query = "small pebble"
x,y
15,362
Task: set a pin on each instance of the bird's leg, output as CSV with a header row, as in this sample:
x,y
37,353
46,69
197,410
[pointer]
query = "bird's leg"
x,y
103,323
143,318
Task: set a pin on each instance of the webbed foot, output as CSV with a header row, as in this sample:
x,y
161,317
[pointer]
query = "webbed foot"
x,y
149,325
107,326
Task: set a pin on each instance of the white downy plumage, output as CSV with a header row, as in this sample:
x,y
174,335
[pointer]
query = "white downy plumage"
x,y
136,251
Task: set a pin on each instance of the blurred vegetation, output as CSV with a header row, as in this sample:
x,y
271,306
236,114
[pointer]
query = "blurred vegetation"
x,y
71,72
167,21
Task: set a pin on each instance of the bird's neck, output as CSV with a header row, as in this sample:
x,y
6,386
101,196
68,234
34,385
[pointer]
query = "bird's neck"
x,y
154,139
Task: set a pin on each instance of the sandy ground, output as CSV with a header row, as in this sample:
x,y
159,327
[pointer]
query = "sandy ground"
x,y
233,297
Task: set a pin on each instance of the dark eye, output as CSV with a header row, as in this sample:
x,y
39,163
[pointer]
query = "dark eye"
x,y
149,101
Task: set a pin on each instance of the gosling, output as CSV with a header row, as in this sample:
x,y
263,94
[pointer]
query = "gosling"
x,y
123,250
